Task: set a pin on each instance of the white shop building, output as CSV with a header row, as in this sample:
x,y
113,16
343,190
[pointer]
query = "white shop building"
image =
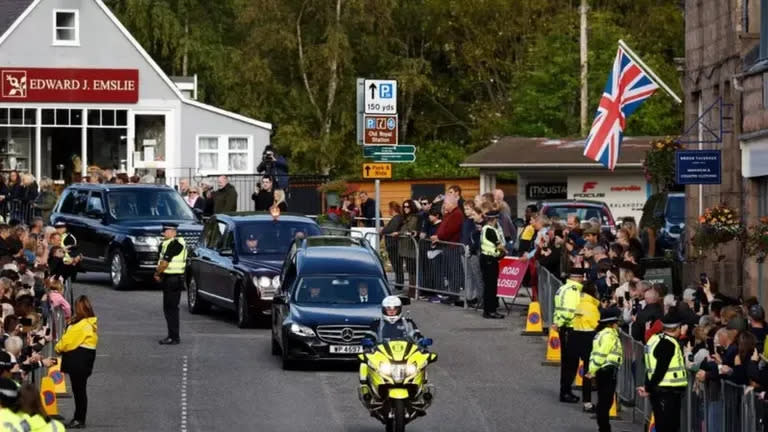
x,y
78,91
556,169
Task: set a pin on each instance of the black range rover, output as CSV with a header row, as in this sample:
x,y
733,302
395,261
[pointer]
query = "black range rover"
x,y
118,227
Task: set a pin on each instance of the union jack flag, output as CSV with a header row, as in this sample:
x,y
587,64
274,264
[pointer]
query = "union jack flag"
x,y
627,88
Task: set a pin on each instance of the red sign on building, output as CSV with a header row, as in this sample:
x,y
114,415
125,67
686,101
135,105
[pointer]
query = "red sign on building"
x,y
69,85
380,130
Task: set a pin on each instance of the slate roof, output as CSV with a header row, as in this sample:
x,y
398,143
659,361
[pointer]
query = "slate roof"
x,y
9,11
522,152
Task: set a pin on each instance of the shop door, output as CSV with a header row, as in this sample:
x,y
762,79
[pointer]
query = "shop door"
x,y
150,138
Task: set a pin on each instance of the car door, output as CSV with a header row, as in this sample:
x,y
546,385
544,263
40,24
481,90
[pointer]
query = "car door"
x,y
280,311
77,223
93,244
223,265
204,265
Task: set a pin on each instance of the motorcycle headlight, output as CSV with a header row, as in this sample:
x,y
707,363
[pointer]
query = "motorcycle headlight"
x,y
276,282
385,368
301,330
411,369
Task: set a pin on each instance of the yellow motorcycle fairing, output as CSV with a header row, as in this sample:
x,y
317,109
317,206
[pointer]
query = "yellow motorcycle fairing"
x,y
398,393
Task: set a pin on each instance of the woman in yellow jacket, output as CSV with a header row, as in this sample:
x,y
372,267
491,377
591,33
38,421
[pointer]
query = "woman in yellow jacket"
x,y
584,325
78,349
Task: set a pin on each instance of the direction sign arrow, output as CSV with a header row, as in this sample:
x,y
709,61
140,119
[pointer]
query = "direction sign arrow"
x,y
372,87
373,150
395,157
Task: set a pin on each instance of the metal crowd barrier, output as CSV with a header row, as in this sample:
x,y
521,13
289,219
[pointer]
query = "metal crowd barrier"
x,y
441,267
20,211
548,285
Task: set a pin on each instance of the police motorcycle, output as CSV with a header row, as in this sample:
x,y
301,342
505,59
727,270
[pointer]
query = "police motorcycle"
x,y
393,380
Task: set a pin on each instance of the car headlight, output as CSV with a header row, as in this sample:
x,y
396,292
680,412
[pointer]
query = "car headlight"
x,y
147,241
301,330
262,282
276,282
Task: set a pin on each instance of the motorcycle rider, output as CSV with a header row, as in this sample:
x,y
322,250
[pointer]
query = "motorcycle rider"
x,y
392,324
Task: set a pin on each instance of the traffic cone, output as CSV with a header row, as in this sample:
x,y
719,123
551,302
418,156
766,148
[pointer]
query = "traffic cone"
x,y
48,397
579,380
533,325
614,412
54,372
652,424
553,349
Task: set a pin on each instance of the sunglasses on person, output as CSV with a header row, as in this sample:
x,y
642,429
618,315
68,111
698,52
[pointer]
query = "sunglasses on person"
x,y
424,202
406,206
193,192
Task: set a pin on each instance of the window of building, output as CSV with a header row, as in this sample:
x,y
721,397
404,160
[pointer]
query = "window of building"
x,y
224,154
66,27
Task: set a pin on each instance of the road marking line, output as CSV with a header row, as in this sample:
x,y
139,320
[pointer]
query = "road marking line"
x,y
184,370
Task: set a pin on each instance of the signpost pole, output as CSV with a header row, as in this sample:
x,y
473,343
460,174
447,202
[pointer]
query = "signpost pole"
x,y
377,197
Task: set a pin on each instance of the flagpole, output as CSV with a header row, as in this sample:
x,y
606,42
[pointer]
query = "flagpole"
x,y
648,70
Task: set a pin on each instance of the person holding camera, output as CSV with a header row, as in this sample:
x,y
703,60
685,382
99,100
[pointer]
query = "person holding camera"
x,y
275,166
264,197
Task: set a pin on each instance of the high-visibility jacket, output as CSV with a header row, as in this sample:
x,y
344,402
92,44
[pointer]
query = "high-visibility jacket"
x,y
82,334
676,375
12,422
566,301
488,247
587,314
606,350
37,423
178,264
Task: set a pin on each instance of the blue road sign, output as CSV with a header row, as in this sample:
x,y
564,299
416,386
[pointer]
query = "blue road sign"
x,y
385,91
698,167
391,123
371,123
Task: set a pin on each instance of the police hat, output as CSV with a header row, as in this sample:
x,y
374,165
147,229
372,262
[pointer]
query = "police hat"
x,y
492,214
60,224
610,315
170,226
5,361
252,237
672,319
577,271
591,231
9,392
757,313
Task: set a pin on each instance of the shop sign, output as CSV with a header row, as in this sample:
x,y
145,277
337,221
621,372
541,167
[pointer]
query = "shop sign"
x,y
697,167
69,85
546,191
625,195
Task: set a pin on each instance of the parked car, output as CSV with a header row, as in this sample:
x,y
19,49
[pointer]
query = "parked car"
x,y
118,227
238,260
584,209
331,293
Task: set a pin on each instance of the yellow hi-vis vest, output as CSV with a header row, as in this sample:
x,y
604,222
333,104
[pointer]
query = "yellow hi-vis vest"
x,y
566,300
676,375
487,247
67,257
606,350
11,422
177,263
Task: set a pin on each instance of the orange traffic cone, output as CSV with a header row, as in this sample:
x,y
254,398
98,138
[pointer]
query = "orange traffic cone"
x,y
48,397
553,349
533,325
579,380
614,412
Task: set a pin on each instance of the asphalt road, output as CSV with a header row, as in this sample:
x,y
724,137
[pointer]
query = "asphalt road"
x,y
221,378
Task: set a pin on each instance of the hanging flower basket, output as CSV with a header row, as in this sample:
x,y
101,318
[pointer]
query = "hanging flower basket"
x,y
659,163
717,226
756,240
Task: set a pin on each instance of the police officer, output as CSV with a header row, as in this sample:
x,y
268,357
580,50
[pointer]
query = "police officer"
x,y
492,248
567,299
666,378
604,363
170,274
393,325
9,394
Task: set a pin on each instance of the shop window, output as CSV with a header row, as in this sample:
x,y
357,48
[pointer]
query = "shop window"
x,y
66,27
18,116
219,154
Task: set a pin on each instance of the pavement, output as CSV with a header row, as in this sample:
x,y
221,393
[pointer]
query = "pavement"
x,y
488,377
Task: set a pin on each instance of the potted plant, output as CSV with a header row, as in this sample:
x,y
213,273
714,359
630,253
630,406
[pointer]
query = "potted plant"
x,y
756,240
659,163
333,191
717,226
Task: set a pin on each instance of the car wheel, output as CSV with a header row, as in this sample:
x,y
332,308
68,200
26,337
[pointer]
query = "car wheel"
x,y
118,271
195,304
243,312
275,347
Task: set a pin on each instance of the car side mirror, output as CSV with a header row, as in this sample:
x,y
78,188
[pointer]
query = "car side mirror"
x,y
95,213
405,300
367,343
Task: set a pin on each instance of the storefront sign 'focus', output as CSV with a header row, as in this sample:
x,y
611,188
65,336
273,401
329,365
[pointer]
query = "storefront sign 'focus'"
x,y
69,85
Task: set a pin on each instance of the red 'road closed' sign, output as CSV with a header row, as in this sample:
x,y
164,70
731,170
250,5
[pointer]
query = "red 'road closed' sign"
x,y
511,273
380,130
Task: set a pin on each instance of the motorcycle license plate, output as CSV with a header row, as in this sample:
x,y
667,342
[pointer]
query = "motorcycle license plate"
x,y
345,349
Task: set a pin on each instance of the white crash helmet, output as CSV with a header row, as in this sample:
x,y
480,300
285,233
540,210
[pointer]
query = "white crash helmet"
x,y
392,309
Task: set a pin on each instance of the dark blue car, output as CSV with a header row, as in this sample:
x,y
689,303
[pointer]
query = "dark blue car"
x,y
331,293
238,260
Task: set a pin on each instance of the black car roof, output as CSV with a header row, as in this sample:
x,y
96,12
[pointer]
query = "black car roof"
x,y
115,186
236,217
320,260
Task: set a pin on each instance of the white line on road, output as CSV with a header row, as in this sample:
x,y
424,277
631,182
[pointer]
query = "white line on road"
x,y
184,370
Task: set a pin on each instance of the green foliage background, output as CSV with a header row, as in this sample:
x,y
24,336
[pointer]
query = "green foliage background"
x,y
468,70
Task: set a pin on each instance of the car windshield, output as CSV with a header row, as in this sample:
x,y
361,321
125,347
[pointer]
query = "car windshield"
x,y
340,290
676,208
583,213
160,204
270,237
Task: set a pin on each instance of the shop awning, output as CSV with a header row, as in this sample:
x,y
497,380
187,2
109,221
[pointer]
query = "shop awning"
x,y
544,153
